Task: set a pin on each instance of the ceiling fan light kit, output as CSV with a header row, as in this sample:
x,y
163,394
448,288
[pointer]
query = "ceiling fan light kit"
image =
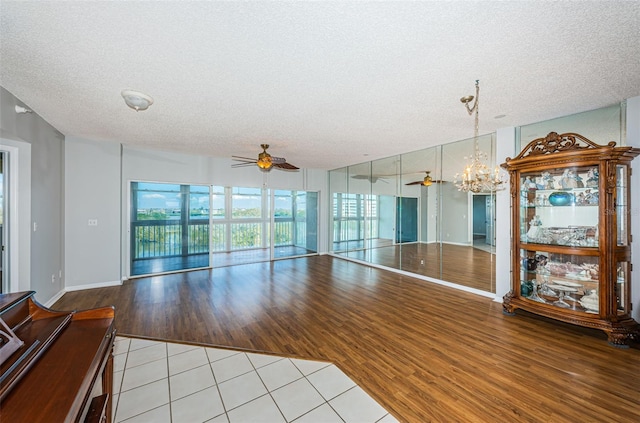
x,y
136,100
264,162
427,181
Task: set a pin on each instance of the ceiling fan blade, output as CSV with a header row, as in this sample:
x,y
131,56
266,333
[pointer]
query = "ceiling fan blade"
x,y
372,179
275,160
244,158
285,166
421,182
243,164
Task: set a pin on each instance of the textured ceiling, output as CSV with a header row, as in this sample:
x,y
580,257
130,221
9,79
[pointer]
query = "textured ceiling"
x,y
327,84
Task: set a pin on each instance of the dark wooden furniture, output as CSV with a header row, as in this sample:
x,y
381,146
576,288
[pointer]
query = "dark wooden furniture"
x,y
64,370
571,255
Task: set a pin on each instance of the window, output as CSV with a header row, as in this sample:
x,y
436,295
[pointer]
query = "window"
x,y
246,203
218,209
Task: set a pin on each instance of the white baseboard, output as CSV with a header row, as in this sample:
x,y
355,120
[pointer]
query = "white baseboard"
x,y
464,244
59,295
55,298
92,285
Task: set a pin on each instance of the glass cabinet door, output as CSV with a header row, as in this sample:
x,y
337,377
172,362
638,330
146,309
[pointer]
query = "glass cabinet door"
x,y
562,280
622,209
560,207
622,276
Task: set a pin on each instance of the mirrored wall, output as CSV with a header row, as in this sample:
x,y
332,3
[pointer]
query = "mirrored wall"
x,y
385,214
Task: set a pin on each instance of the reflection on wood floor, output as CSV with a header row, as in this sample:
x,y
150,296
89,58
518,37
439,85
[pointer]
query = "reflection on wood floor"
x,y
424,351
150,266
458,264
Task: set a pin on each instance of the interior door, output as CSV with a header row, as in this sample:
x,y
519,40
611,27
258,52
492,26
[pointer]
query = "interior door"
x,y
407,220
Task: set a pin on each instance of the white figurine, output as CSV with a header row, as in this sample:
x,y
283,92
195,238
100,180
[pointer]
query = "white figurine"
x,y
570,179
534,228
592,178
547,181
528,184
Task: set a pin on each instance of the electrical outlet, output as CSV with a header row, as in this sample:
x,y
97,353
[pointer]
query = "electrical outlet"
x,y
93,222
53,278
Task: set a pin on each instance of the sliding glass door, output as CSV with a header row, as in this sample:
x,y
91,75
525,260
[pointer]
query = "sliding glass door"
x,y
177,226
240,226
295,223
253,224
169,227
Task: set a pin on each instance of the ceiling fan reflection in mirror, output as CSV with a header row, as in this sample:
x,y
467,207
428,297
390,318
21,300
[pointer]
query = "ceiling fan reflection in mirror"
x,y
427,181
265,161
371,178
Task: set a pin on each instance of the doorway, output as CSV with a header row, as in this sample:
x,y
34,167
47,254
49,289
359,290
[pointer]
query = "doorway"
x,y
483,221
169,227
407,220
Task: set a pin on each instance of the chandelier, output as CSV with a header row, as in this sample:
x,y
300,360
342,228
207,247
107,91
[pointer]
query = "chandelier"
x,y
477,176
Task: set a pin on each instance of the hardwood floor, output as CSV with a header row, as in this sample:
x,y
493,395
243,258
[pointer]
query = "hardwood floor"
x,y
155,265
425,352
459,264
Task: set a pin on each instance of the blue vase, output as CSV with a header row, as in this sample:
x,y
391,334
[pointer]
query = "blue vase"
x,y
560,198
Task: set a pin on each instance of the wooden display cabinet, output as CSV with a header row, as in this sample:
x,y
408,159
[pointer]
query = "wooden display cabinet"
x,y
571,256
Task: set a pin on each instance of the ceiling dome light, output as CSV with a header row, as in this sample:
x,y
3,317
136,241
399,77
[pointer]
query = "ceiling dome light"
x,y
136,100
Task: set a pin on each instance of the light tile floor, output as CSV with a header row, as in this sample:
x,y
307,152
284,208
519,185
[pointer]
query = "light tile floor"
x,y
159,382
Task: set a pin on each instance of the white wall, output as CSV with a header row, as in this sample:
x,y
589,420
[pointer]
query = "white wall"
x,y
423,219
633,139
387,217
433,229
455,215
44,211
92,189
505,147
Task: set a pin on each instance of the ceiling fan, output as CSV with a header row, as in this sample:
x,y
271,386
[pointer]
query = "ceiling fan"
x,y
427,181
265,161
372,179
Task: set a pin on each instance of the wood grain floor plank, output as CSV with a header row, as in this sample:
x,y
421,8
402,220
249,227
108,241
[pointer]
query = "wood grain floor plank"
x,y
424,351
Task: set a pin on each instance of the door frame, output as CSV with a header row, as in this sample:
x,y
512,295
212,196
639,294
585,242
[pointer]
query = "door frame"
x,y
17,234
